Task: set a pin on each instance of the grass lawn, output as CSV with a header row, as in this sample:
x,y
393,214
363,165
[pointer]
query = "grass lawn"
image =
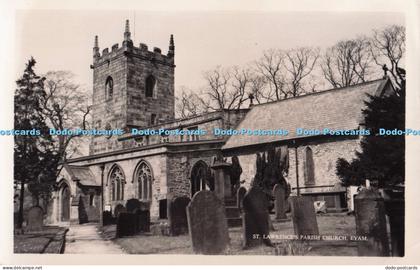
x,y
48,240
328,225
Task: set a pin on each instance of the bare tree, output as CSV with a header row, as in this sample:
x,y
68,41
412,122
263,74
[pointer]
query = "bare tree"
x,y
189,104
226,88
241,82
215,94
348,62
66,106
299,64
388,48
270,66
258,85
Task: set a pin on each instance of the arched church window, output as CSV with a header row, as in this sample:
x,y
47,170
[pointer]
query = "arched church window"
x,y
201,178
109,87
150,86
117,184
144,180
309,169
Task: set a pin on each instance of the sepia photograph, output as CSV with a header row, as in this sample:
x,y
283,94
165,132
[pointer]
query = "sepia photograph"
x,y
209,132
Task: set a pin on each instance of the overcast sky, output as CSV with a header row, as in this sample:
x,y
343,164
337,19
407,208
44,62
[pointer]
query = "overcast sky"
x,y
63,40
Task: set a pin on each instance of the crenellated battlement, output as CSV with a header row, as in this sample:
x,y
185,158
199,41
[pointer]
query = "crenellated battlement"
x,y
129,49
133,85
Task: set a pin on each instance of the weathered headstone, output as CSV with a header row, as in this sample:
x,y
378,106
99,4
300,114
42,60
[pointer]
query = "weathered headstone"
x,y
207,224
369,209
119,208
81,210
107,218
235,175
127,224
178,215
395,209
255,220
143,218
132,205
279,194
303,216
240,197
34,219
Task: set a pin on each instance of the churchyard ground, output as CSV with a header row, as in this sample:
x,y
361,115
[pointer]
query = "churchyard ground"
x,y
330,224
49,239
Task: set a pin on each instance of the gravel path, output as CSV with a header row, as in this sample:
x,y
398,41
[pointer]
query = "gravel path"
x,y
85,239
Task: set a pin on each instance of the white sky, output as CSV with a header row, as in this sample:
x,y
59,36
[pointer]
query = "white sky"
x,y
63,39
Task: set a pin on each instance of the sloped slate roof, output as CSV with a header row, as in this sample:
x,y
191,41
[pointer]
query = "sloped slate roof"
x,y
335,109
82,174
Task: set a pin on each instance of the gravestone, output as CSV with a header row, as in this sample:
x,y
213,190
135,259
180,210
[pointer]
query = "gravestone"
x,y
119,208
303,216
235,175
370,217
127,224
395,209
279,194
143,220
34,219
132,205
240,197
207,224
81,211
107,218
255,220
178,215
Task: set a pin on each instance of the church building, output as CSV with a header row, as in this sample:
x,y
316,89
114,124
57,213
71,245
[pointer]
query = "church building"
x,y
133,87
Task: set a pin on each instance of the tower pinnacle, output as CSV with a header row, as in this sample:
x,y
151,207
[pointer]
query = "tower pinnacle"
x,y
127,34
96,53
171,51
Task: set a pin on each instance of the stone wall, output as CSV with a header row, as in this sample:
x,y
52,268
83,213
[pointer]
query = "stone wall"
x,y
157,164
325,155
179,170
129,66
140,107
109,112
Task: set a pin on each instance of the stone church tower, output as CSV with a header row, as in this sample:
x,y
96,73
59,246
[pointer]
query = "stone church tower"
x,y
132,87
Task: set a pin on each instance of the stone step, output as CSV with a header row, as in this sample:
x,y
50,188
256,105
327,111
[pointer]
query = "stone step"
x,y
232,212
230,202
234,222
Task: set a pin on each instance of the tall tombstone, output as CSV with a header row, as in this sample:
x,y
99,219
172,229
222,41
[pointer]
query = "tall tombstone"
x,y
303,215
127,224
395,209
207,224
107,218
177,215
132,205
370,217
119,208
240,197
82,212
255,220
235,175
279,194
35,219
143,218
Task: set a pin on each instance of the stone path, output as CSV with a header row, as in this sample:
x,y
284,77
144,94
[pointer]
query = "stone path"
x,y
85,239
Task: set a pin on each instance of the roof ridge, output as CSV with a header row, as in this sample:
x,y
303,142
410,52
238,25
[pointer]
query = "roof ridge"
x,y
322,92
